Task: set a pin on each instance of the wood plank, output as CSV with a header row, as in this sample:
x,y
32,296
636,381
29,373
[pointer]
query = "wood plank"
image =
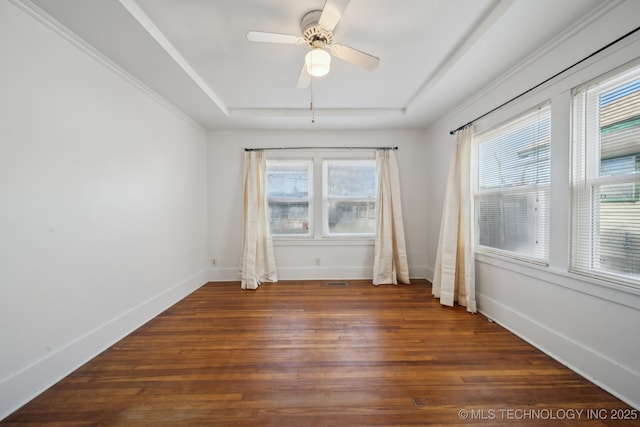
x,y
303,353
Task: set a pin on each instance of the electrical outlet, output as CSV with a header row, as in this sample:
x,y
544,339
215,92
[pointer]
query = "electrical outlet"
x,y
317,261
214,262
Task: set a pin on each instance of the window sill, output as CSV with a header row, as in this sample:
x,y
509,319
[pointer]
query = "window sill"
x,y
610,291
510,256
326,241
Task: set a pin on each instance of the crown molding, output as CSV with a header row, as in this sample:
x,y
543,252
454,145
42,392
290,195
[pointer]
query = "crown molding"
x,y
562,38
326,112
328,132
145,22
56,27
493,13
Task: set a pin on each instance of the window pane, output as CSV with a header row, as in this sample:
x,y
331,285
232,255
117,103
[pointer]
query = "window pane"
x,y
516,154
288,178
351,178
512,194
351,217
606,178
619,165
288,217
289,195
512,222
619,228
350,189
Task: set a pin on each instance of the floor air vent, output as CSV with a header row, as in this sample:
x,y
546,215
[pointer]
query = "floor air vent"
x,y
337,284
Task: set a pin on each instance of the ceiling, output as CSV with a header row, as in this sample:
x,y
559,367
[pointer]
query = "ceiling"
x,y
433,54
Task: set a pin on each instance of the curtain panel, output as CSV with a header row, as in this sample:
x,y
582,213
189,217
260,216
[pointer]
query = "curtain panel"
x,y
258,261
454,275
390,254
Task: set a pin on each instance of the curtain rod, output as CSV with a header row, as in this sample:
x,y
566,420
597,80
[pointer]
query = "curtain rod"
x,y
320,148
545,81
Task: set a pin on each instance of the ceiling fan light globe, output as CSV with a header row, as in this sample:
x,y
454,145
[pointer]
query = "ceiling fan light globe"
x,y
318,62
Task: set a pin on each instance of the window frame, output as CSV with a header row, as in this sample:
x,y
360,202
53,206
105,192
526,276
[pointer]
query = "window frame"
x,y
585,171
492,133
326,215
309,199
317,237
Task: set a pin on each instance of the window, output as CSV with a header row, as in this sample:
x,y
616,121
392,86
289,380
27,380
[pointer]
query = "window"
x,y
290,197
606,178
348,205
349,197
512,187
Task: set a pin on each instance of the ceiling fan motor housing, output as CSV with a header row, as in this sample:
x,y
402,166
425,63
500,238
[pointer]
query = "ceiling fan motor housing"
x,y
312,33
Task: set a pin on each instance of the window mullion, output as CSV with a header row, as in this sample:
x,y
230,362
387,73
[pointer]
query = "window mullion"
x,y
318,191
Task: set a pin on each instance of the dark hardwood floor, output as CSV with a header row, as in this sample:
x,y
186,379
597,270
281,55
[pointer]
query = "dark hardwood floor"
x,y
309,354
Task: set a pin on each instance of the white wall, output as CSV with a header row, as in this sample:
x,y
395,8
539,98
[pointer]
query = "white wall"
x,y
297,260
102,206
591,326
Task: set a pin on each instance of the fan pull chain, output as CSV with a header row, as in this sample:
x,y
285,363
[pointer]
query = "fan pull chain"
x,y
311,107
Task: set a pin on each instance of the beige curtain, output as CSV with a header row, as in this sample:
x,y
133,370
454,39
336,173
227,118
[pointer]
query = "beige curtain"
x,y
453,279
390,254
258,262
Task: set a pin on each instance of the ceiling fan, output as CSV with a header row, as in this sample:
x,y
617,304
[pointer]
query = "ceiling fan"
x,y
317,33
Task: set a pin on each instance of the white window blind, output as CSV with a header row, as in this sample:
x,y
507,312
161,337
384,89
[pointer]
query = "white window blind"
x,y
512,188
606,178
290,197
350,192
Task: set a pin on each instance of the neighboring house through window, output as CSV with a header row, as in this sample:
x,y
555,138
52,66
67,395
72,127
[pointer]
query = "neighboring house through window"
x,y
349,197
290,197
606,178
348,190
512,187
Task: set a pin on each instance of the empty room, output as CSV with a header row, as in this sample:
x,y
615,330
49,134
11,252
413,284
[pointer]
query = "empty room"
x,y
319,212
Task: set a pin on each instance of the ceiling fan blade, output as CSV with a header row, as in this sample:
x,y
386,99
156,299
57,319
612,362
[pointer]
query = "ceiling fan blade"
x,y
260,37
353,56
305,78
331,13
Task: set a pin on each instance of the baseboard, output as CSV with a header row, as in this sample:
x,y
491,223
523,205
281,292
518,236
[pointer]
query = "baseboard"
x,y
223,274
325,273
216,274
606,373
428,273
26,384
